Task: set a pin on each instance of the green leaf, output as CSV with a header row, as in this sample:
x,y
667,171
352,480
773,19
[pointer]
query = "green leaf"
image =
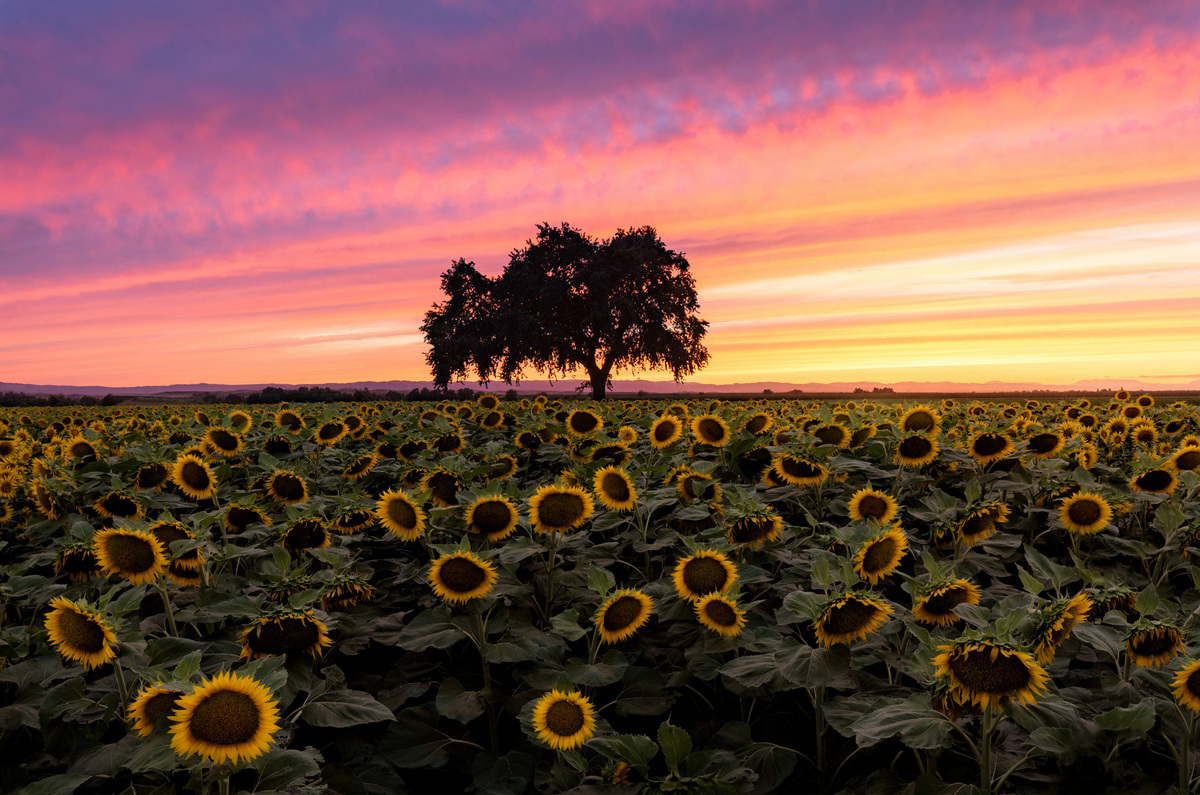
x,y
675,744
341,708
917,723
602,673
566,625
189,666
457,703
632,749
1134,721
431,629
1148,601
64,784
601,581
1029,582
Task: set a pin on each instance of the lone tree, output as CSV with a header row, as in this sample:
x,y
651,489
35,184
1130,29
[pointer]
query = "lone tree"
x,y
568,302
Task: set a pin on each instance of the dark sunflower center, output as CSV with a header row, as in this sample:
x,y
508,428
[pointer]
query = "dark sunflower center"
x,y
277,445
1084,512
461,575
615,487
1155,480
710,430
1152,643
151,476
159,707
872,506
915,447
560,509
492,419
360,465
583,421
120,505
401,512
849,617
799,468
287,487
82,450
284,636
705,575
448,443
444,487
720,613
941,604
290,421
410,449
330,430
990,444
224,440
240,518
1192,684
756,423
195,476
78,561
622,613
879,555
166,533
305,534
491,517
830,434
706,494
130,554
564,718
919,421
1132,412
224,718
1043,443
980,674
664,431
1188,461
750,529
979,524
79,632
353,520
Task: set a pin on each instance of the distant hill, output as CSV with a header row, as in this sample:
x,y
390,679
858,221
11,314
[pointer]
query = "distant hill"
x,y
620,386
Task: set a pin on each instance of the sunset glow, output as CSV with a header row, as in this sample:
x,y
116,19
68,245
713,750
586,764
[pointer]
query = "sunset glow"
x,y
876,191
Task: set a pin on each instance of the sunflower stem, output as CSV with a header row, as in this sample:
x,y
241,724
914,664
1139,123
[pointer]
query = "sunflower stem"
x,y
551,559
985,750
166,600
123,688
223,784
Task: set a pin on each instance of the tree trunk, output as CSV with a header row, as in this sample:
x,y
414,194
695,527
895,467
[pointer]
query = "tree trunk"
x,y
599,383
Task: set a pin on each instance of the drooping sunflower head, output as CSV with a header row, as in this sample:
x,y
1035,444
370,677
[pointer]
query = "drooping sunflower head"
x,y
1056,622
152,706
305,533
705,572
666,430
980,522
986,447
916,450
135,555
614,488
228,718
710,429
880,556
871,504
352,520
287,487
564,720
1153,643
985,673
849,617
78,561
920,419
622,614
559,509
799,471
755,530
344,591
1085,513
193,477
721,614
462,576
400,515
79,633
934,604
290,632
239,516
118,505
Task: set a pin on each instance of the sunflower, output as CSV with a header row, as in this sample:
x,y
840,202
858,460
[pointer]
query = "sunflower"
x,y
564,720
78,561
287,487
702,573
691,485
135,555
935,603
1186,459
798,471
290,420
1151,644
152,706
461,577
400,515
834,433
1154,481
1057,621
1186,685
916,450
880,556
293,632
980,522
711,430
614,489
360,467
193,477
228,718
622,614
79,633
442,485
559,509
277,445
352,521
152,476
238,517
305,533
850,616
986,447
721,614
223,440
1045,445
492,517
920,419
758,423
582,422
448,443
184,577
1085,513
117,504
666,430
169,532
503,467
755,530
330,433
80,448
986,673
872,504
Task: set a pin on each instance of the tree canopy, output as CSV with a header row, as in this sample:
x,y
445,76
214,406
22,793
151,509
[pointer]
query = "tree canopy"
x,y
567,302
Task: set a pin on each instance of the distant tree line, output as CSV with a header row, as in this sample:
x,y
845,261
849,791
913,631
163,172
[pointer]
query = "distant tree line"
x,y
23,399
322,394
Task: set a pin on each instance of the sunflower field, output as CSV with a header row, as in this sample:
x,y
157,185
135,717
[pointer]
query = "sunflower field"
x,y
554,595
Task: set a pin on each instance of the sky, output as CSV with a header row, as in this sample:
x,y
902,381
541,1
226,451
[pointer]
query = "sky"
x,y
865,190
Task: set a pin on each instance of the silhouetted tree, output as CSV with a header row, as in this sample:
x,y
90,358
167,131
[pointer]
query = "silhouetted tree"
x,y
568,302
